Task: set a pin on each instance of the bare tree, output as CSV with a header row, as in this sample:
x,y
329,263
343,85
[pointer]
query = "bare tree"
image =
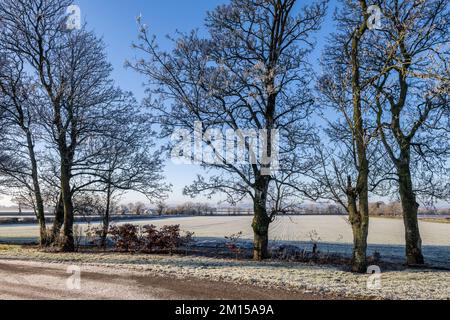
x,y
403,72
345,171
413,104
251,73
20,102
161,208
74,76
120,158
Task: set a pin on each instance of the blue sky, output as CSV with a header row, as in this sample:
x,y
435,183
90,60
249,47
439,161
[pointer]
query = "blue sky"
x,y
115,22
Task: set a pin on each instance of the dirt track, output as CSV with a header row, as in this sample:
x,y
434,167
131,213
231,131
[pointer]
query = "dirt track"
x,y
25,281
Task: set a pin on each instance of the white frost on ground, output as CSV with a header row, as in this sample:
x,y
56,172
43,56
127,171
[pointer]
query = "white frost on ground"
x,y
333,229
409,284
386,235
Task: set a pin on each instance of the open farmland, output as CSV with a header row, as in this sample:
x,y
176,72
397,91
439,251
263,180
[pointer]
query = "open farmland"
x,y
332,232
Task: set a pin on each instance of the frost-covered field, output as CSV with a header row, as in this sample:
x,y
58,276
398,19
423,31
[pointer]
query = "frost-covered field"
x,y
407,284
386,235
334,229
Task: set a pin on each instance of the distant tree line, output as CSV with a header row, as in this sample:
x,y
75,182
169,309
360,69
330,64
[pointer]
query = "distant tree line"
x,y
201,209
394,209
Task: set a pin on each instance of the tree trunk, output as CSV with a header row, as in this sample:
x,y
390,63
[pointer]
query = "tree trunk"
x,y
68,241
260,226
43,235
359,214
410,207
106,217
58,221
43,239
261,222
40,212
359,220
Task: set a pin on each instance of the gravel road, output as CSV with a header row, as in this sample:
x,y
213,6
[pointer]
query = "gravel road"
x,y
20,280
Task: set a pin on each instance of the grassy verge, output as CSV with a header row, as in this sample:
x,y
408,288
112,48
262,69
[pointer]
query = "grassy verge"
x,y
299,277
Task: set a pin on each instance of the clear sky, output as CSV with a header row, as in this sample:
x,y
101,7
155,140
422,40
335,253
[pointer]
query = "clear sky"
x,y
115,21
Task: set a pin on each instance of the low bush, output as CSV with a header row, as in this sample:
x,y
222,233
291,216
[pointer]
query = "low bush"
x,y
94,236
169,238
127,237
148,239
232,244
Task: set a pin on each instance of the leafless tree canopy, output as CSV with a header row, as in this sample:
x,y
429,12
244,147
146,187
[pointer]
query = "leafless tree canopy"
x,y
251,72
65,114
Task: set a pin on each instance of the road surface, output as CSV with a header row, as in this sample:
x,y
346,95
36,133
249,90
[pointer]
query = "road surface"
x,y
31,281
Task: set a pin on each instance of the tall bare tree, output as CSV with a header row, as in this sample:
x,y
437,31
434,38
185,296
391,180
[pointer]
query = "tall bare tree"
x,y
121,157
72,71
413,104
352,169
345,171
250,73
19,103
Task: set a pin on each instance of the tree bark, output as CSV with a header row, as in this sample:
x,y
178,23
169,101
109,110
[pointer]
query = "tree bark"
x,y
261,221
410,207
58,220
260,226
359,219
40,214
106,217
68,244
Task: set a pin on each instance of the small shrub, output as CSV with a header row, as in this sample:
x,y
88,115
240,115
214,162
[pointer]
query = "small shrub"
x,y
232,244
169,238
187,240
376,257
150,238
94,236
288,253
315,239
126,238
